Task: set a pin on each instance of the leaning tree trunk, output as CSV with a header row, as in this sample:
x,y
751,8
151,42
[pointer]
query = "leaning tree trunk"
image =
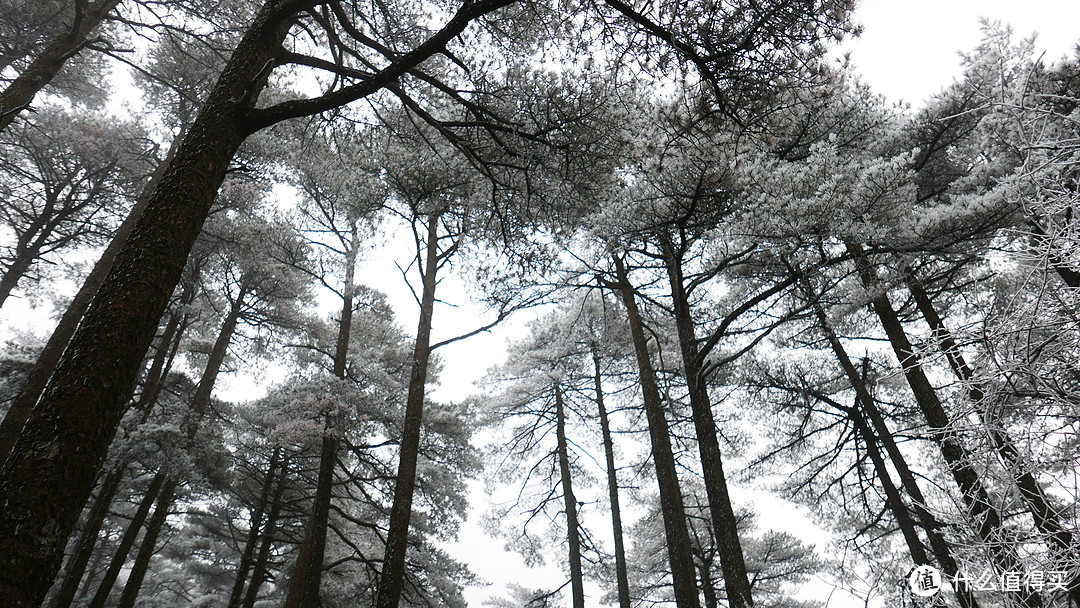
x,y
146,550
984,515
393,574
127,541
84,547
683,575
261,570
46,362
18,95
1047,520
623,580
938,544
728,547
307,576
577,579
51,472
252,540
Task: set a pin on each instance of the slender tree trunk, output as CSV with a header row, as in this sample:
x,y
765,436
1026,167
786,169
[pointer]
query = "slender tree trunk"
x,y
306,581
577,578
18,95
683,575
729,549
307,577
15,271
938,544
149,544
708,589
261,570
248,553
88,537
623,580
51,471
127,541
393,573
1047,520
986,519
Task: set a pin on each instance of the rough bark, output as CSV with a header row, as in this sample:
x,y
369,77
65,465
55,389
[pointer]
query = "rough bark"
x,y
1047,519
146,549
729,549
577,578
684,578
18,95
46,363
88,536
50,474
252,540
623,580
127,541
393,573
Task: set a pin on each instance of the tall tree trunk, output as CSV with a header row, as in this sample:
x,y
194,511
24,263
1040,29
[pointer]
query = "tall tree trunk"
x,y
84,548
683,575
577,579
307,577
708,589
261,571
18,95
46,362
15,271
51,471
1047,520
983,514
127,541
623,580
149,544
938,544
729,549
393,573
252,540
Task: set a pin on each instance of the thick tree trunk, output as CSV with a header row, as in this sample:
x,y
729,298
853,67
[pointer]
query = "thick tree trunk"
x,y
307,577
51,471
88,537
149,544
46,363
127,541
392,580
729,549
252,540
261,570
683,575
577,578
1047,519
622,579
983,514
18,95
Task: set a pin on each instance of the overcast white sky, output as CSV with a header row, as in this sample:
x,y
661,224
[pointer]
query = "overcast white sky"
x,y
909,50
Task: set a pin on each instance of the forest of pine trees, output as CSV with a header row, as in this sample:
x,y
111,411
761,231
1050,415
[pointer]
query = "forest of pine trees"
x,y
772,340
